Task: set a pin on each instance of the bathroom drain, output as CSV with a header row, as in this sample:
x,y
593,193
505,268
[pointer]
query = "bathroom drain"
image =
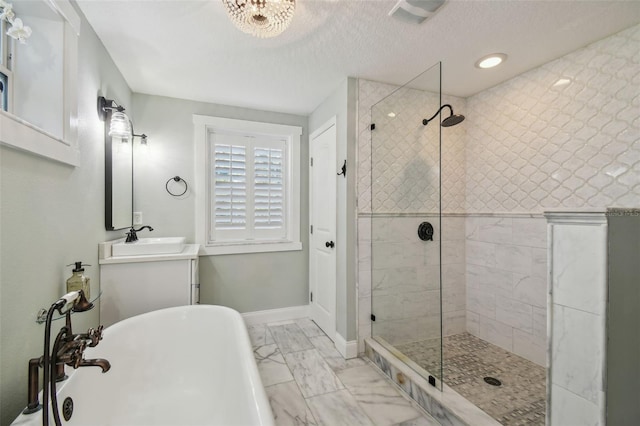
x,y
493,381
67,408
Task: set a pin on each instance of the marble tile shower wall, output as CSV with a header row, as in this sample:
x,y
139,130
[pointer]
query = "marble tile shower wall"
x,y
506,283
405,279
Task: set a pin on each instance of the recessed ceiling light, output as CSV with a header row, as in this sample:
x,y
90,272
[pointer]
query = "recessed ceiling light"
x,y
391,114
491,61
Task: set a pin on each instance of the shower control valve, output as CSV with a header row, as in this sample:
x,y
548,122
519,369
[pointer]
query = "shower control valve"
x,y
425,231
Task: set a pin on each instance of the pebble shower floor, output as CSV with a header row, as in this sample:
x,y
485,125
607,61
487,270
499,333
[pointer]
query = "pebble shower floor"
x,y
520,400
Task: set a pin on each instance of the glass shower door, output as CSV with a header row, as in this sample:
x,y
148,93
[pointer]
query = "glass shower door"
x,y
406,197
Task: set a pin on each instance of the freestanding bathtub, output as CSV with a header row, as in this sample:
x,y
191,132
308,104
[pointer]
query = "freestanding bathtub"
x,y
190,365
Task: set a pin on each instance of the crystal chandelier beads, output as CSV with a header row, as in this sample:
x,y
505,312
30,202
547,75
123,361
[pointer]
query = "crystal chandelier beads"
x,y
261,18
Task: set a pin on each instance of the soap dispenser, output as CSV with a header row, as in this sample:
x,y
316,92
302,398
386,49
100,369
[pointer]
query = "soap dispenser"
x,y
78,281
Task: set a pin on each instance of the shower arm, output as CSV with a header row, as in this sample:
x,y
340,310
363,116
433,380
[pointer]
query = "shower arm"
x,y
426,121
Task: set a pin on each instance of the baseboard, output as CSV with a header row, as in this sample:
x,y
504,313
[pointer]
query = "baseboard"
x,y
347,349
275,315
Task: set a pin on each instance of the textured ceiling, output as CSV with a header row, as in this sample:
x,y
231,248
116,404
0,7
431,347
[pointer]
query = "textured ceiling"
x,y
191,50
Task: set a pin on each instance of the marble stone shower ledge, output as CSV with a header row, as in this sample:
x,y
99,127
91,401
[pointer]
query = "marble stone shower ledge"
x,y
448,407
364,215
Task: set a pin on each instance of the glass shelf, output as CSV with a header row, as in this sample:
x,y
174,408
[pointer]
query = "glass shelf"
x,y
41,316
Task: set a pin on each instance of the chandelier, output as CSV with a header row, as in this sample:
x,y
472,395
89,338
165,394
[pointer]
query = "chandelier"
x,y
261,18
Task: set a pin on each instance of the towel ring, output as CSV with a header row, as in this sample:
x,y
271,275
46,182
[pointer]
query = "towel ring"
x,y
177,179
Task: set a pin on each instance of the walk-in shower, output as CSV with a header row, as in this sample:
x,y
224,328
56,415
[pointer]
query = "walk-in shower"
x,y
405,198
418,257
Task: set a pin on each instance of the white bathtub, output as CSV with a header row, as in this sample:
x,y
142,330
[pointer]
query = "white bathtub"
x,y
190,365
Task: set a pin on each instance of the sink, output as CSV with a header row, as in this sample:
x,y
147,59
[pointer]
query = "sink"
x,y
149,246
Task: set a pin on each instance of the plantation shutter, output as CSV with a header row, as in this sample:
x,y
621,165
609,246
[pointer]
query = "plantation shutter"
x,y
248,200
269,189
231,186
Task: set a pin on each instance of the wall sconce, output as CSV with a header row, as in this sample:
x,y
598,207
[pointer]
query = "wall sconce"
x,y
143,138
120,125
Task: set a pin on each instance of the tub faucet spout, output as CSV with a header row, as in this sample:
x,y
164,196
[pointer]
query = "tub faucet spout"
x,y
97,362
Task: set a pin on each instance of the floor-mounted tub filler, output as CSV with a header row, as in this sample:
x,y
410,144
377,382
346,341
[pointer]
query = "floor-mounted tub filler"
x,y
190,365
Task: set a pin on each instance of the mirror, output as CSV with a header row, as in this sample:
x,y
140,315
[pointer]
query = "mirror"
x,y
118,183
38,78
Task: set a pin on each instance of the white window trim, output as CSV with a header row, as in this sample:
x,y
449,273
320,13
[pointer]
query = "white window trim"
x,y
202,125
18,133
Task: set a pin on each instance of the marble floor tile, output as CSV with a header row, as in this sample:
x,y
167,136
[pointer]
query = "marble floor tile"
x,y
309,328
338,409
379,399
327,349
283,322
288,405
271,365
259,335
290,338
420,421
312,373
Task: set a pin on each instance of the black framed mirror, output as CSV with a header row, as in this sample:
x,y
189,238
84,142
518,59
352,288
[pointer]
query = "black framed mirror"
x,y
118,183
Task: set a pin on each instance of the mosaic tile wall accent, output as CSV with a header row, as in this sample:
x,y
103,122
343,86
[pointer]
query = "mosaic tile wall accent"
x,y
533,143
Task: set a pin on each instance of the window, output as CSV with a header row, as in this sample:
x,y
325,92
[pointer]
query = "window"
x,y
5,71
38,105
4,91
248,186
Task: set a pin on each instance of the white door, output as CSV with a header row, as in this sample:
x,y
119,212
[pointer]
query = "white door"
x,y
322,240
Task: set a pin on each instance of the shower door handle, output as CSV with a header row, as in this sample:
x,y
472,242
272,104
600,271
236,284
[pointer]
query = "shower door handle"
x,y
329,244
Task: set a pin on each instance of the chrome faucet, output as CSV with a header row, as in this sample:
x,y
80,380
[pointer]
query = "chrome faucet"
x,y
132,234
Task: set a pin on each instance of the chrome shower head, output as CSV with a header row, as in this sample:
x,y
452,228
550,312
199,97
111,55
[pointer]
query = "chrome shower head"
x,y
452,120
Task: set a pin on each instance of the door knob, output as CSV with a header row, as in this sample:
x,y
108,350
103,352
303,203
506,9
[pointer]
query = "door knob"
x,y
330,244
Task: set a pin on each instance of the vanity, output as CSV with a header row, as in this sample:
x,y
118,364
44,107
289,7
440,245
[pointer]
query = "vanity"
x,y
150,274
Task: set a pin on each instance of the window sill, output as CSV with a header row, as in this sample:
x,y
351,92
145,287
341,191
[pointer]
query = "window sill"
x,y
19,134
243,248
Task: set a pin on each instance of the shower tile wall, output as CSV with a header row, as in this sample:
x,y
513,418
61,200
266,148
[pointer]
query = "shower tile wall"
x,y
506,283
527,145
405,278
534,143
397,152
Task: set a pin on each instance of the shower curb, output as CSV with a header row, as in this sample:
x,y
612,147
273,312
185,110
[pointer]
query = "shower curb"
x,y
448,407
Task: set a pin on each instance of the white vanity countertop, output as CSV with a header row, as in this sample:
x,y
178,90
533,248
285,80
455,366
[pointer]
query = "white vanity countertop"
x,y
190,251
